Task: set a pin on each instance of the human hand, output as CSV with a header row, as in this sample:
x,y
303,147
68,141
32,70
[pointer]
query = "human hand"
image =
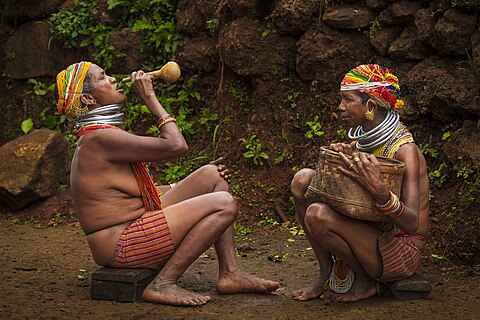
x,y
142,84
222,169
365,169
346,148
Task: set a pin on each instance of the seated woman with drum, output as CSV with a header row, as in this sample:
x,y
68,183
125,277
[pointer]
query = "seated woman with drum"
x,y
356,254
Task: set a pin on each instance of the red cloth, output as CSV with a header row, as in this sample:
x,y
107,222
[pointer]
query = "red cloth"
x,y
146,243
401,258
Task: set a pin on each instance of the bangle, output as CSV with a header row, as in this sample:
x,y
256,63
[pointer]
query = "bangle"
x,y
164,120
166,115
393,205
402,209
388,203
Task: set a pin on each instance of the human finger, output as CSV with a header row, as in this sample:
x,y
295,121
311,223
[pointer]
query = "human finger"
x,y
371,157
137,74
226,172
339,147
349,147
221,167
335,147
348,172
133,75
360,160
345,159
217,161
226,177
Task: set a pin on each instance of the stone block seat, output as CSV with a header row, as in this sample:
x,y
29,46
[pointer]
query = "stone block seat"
x,y
118,284
415,287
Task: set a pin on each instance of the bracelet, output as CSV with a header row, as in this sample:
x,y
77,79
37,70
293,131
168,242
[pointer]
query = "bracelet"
x,y
390,204
393,206
162,117
402,209
164,120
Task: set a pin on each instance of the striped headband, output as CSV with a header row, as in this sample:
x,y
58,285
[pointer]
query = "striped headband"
x,y
69,86
375,81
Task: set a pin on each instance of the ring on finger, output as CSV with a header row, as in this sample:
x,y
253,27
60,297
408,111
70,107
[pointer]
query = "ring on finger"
x,y
356,159
350,166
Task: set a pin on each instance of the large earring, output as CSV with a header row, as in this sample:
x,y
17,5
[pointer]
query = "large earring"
x,y
369,114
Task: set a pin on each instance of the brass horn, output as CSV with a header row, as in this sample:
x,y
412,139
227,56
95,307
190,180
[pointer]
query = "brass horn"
x,y
170,72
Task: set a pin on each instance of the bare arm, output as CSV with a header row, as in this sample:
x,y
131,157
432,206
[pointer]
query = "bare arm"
x,y
121,146
409,220
367,172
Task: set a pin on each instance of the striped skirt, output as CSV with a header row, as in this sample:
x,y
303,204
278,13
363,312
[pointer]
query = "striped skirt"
x,y
401,258
145,243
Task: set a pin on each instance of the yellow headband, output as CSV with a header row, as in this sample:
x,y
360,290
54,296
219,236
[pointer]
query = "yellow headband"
x,y
69,88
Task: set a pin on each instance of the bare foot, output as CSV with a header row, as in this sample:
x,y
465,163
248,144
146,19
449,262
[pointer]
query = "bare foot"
x,y
311,292
360,290
170,293
238,282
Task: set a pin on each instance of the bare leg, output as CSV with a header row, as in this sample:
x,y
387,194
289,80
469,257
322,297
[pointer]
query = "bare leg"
x,y
351,240
207,180
299,187
230,278
202,181
195,224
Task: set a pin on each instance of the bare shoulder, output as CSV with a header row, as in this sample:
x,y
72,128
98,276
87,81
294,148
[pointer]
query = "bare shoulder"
x,y
415,163
409,153
107,136
110,142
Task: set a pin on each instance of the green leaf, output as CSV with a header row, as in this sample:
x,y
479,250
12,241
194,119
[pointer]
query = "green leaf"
x,y
51,122
144,109
249,154
27,125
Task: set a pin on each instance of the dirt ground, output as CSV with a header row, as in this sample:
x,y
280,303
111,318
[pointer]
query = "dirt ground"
x,y
46,275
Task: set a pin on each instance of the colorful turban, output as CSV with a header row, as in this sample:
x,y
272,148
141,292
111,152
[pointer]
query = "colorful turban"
x,y
68,89
375,81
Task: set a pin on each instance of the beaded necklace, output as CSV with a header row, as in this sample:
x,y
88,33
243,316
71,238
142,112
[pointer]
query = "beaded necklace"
x,y
341,278
390,147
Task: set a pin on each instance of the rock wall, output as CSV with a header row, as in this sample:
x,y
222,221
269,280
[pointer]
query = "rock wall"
x,y
432,45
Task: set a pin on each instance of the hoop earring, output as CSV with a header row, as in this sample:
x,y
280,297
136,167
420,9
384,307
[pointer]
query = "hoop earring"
x,y
369,114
